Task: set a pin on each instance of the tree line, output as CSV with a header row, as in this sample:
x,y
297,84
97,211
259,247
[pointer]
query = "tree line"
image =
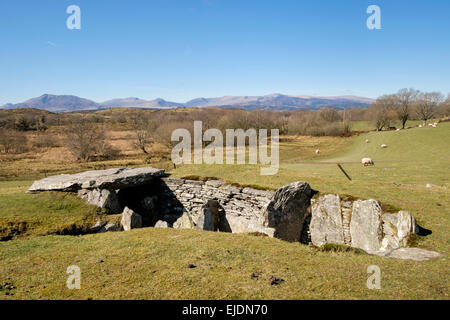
x,y
405,105
85,134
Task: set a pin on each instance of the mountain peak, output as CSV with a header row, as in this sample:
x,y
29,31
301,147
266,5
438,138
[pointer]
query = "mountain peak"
x,y
274,101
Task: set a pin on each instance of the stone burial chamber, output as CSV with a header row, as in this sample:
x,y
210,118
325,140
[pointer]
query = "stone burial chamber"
x,y
147,197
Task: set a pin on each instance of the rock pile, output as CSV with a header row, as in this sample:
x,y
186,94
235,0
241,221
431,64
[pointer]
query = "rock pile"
x,y
146,198
362,224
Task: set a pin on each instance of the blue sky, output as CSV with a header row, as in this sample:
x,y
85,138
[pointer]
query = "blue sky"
x,y
184,49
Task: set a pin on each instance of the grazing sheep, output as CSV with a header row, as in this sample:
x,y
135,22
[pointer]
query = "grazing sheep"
x,y
367,162
384,146
317,151
367,141
420,126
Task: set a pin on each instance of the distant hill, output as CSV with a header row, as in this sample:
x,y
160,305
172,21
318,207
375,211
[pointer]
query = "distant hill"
x,y
55,103
280,102
65,103
139,103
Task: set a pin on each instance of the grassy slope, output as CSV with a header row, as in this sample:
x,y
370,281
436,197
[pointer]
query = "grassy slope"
x,y
413,145
25,215
368,125
151,264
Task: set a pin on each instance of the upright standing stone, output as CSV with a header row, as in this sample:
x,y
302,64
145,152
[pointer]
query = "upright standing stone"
x,y
326,221
287,212
366,226
105,199
397,228
162,224
131,220
184,222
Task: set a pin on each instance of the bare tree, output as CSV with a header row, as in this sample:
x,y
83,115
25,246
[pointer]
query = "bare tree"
x,y
444,108
427,104
406,99
143,130
86,139
382,111
142,139
330,114
12,141
6,141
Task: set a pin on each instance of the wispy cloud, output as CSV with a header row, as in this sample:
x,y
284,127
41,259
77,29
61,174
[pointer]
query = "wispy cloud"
x,y
51,44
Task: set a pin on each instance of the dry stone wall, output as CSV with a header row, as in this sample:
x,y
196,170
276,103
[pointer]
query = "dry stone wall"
x,y
243,208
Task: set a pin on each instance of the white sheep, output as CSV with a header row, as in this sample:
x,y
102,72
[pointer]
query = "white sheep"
x,y
384,146
367,141
317,151
367,162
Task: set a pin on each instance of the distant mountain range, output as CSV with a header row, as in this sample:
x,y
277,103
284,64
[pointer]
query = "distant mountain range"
x,y
54,103
66,103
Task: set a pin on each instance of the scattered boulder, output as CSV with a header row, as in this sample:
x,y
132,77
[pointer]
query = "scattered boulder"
x,y
366,225
184,222
288,210
162,224
326,221
131,220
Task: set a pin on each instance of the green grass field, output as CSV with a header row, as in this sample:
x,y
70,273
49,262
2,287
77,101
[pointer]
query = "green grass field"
x,y
152,263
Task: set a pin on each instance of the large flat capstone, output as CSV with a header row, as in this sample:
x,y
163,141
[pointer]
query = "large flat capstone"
x,y
99,179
